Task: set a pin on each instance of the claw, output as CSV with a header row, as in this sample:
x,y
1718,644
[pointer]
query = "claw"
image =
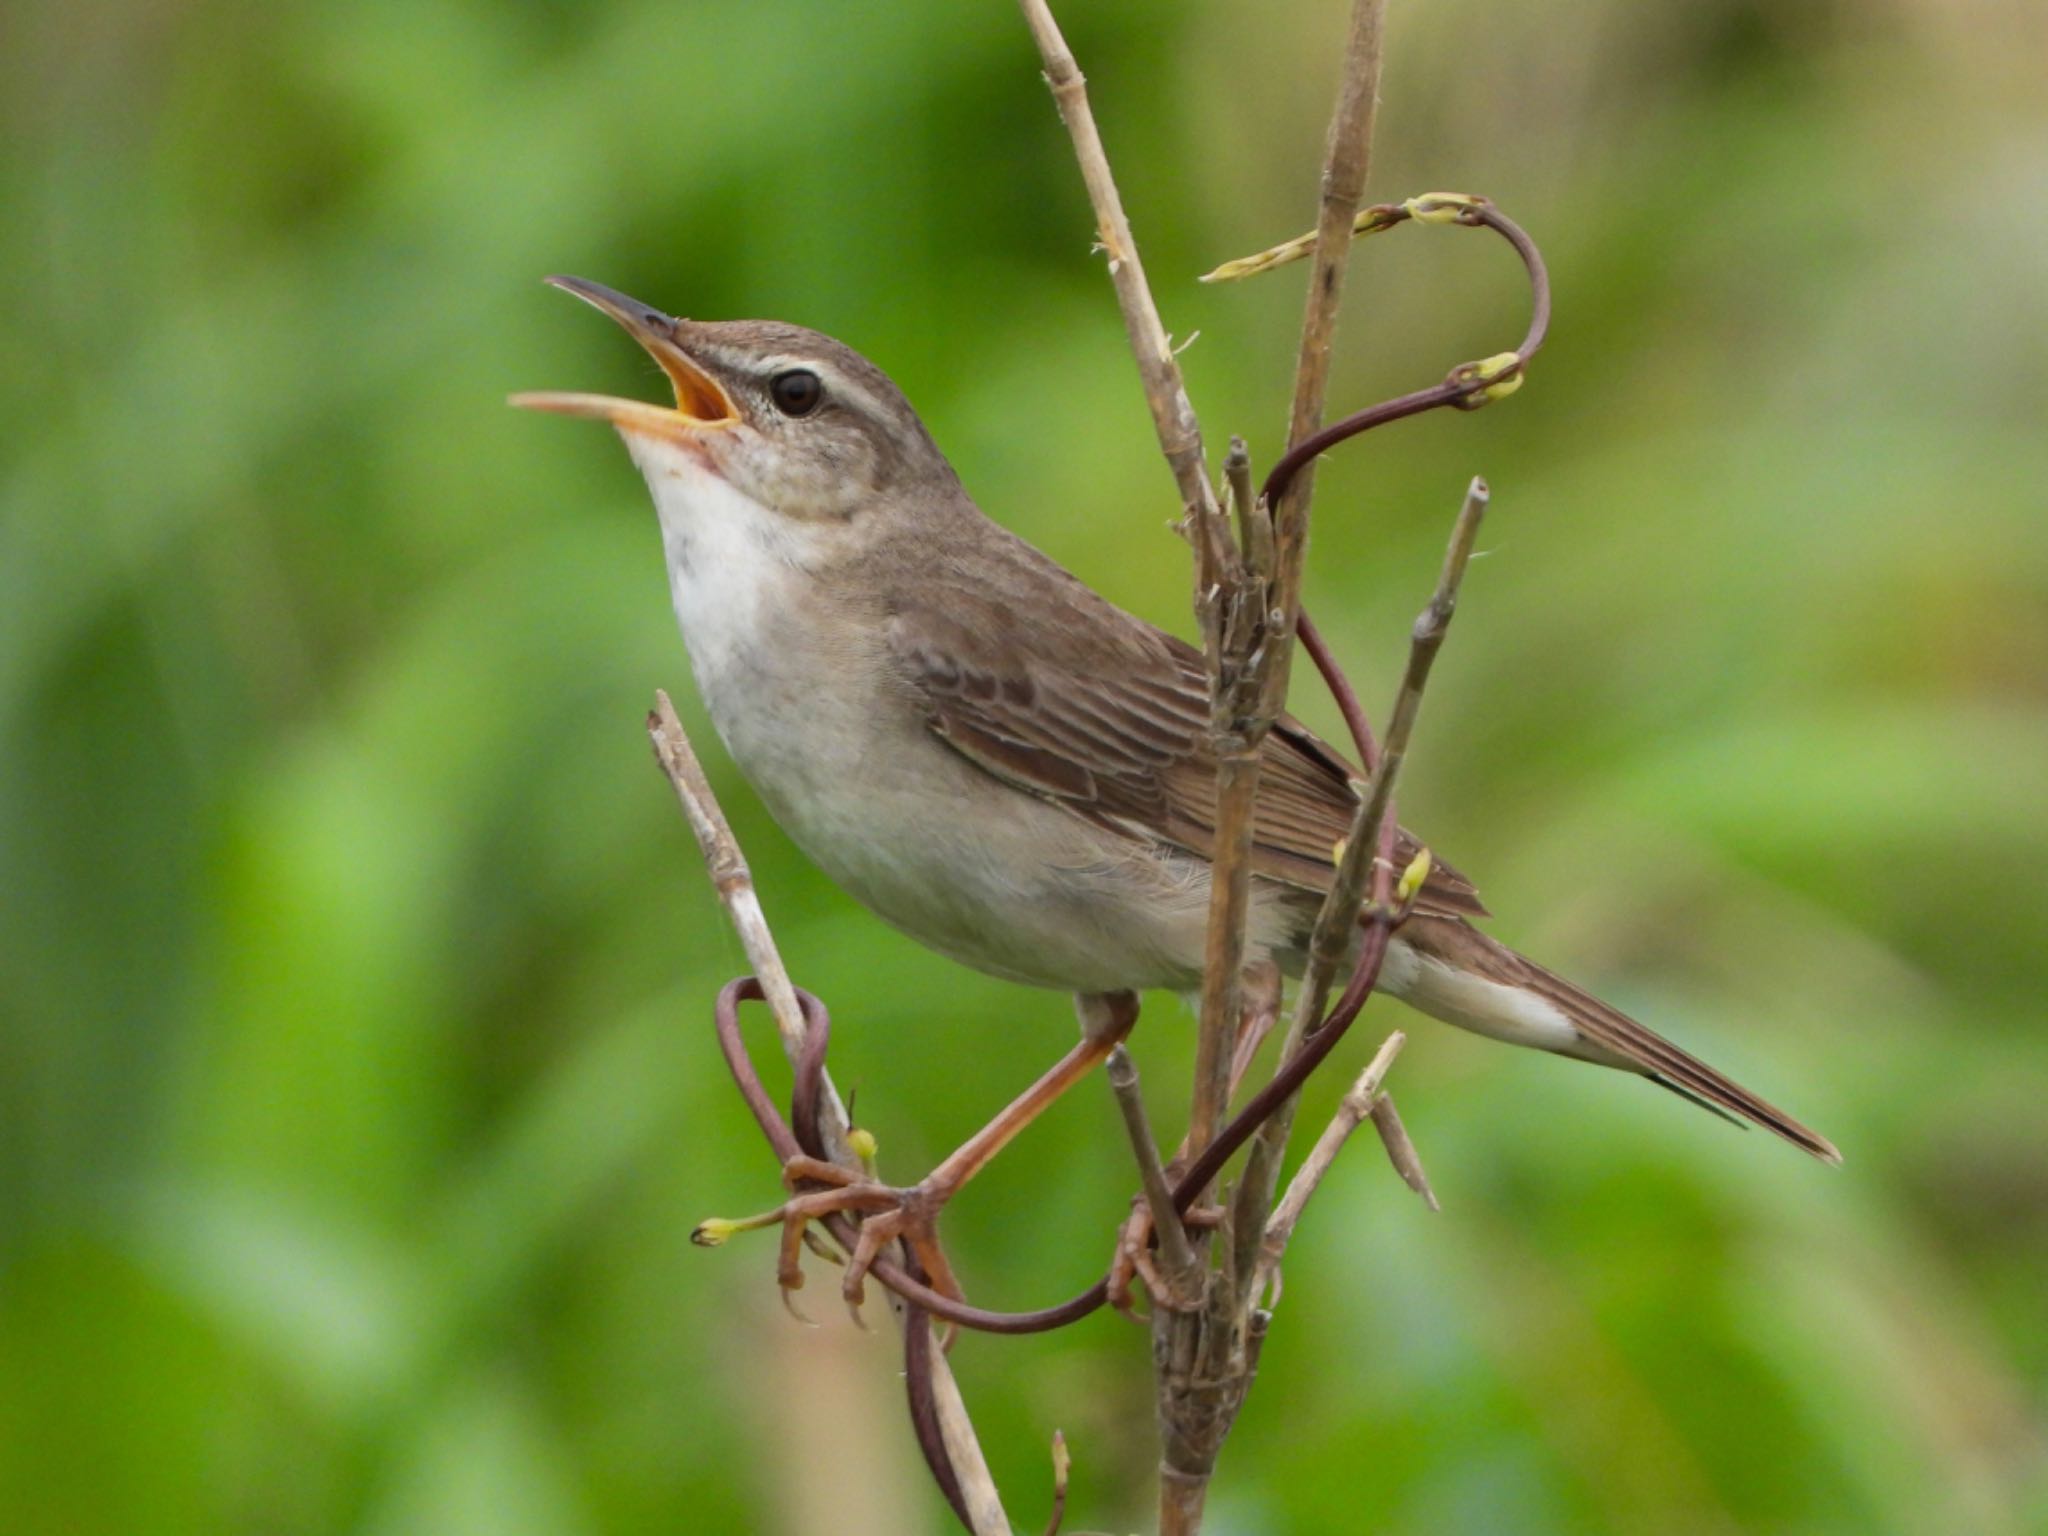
x,y
1132,1261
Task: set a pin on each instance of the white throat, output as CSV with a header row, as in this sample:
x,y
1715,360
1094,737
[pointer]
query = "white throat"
x,y
727,555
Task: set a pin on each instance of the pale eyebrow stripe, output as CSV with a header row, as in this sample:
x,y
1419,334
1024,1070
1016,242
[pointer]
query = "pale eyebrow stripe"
x,y
834,381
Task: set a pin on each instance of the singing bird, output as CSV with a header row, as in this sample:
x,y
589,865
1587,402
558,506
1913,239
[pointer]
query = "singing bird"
x,y
985,752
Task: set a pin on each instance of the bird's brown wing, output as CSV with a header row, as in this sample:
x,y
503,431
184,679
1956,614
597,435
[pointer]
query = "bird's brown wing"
x,y
1101,713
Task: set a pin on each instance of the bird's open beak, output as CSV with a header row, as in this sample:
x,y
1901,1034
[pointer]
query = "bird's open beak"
x,y
700,403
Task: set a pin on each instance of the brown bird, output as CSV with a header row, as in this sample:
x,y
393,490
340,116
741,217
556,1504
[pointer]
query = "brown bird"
x,y
989,755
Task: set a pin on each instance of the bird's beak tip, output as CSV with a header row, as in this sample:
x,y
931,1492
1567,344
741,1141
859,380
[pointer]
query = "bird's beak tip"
x,y
597,407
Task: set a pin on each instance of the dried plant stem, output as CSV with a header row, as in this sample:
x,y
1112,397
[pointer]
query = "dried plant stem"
x,y
1356,1107
1428,636
1347,157
1237,782
1181,1265
1061,1463
1371,829
1274,542
1248,598
1204,1357
1347,160
1232,601
1182,1498
1180,440
1173,416
1400,1150
734,881
1352,1112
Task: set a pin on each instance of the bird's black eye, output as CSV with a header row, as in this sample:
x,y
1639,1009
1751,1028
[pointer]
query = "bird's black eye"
x,y
796,392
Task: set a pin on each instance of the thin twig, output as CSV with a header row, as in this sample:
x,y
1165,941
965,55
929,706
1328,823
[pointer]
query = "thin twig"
x,y
1428,636
1232,603
1180,439
1254,517
1372,828
1230,883
727,866
1347,157
1181,1265
983,1506
1061,1461
1400,1150
1204,1356
1347,160
1352,1111
1173,416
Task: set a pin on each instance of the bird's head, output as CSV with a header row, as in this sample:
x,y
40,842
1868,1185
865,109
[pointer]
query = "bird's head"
x,y
788,417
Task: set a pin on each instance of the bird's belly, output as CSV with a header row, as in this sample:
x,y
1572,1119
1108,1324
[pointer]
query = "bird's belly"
x,y
989,876
1021,889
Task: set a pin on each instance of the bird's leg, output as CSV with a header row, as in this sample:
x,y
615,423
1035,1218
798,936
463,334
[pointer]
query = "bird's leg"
x,y
888,1213
1260,993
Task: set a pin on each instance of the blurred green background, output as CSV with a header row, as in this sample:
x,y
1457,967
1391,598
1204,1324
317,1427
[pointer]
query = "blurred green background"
x,y
357,1088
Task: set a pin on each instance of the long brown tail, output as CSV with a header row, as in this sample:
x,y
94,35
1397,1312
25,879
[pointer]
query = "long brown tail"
x,y
1466,978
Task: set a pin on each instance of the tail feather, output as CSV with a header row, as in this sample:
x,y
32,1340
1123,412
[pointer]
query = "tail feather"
x,y
1453,955
1695,1100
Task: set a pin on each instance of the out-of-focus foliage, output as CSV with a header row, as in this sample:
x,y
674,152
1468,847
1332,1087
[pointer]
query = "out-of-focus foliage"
x,y
356,1084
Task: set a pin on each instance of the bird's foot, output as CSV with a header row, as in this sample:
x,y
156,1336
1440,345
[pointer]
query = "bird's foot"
x,y
885,1214
1136,1257
1133,1261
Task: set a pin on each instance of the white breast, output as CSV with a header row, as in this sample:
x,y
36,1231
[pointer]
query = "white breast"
x,y
726,554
